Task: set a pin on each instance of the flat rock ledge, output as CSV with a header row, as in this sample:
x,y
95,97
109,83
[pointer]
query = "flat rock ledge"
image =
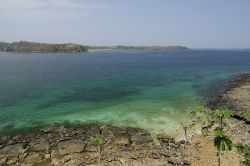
x,y
72,146
236,97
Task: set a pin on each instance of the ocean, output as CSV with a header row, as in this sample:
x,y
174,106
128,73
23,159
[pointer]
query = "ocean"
x,y
154,89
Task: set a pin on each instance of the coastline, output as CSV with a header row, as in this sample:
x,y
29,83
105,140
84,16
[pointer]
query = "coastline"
x,y
73,145
34,47
59,145
236,97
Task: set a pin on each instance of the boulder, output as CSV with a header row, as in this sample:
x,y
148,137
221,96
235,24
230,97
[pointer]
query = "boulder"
x,y
33,158
70,146
41,144
52,128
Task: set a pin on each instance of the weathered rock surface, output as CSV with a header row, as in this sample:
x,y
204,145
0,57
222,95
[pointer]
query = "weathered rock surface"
x,y
236,97
60,146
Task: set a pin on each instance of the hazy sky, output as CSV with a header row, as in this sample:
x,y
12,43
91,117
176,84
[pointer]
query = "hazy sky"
x,y
192,23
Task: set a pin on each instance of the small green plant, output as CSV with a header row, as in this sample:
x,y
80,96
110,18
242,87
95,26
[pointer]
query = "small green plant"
x,y
246,115
219,132
221,141
222,113
203,116
205,130
98,141
244,150
207,119
198,116
106,134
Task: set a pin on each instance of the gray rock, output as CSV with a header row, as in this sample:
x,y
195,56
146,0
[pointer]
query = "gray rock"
x,y
91,148
41,144
11,160
138,139
59,146
3,161
122,140
70,146
52,128
33,158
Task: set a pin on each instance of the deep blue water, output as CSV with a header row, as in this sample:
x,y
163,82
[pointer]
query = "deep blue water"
x,y
150,89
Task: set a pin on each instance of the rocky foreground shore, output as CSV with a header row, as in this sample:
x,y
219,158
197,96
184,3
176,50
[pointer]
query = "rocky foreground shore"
x,y
236,97
65,146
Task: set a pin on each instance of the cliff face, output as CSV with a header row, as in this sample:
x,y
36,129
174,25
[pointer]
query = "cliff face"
x,y
24,46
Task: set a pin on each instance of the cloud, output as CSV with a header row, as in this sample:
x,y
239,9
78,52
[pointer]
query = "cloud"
x,y
45,10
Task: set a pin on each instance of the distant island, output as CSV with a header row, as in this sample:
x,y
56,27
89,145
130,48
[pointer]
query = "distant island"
x,y
25,46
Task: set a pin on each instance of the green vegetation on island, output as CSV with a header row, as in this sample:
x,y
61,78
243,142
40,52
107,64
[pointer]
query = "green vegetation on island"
x,y
3,46
25,46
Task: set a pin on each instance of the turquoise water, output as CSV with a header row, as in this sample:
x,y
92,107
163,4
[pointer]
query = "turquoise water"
x,y
149,89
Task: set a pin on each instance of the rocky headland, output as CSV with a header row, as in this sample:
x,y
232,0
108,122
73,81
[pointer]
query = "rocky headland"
x,y
24,46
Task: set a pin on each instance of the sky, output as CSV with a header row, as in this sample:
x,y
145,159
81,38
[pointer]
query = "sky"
x,y
191,23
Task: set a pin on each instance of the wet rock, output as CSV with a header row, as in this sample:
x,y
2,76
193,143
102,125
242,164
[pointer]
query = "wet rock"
x,y
164,139
52,128
107,134
117,131
91,131
139,136
139,139
4,139
17,138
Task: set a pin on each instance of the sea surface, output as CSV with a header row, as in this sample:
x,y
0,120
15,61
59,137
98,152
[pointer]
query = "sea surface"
x,y
154,90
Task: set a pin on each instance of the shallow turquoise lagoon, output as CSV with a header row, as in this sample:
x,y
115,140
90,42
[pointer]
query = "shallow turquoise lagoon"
x,y
154,90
